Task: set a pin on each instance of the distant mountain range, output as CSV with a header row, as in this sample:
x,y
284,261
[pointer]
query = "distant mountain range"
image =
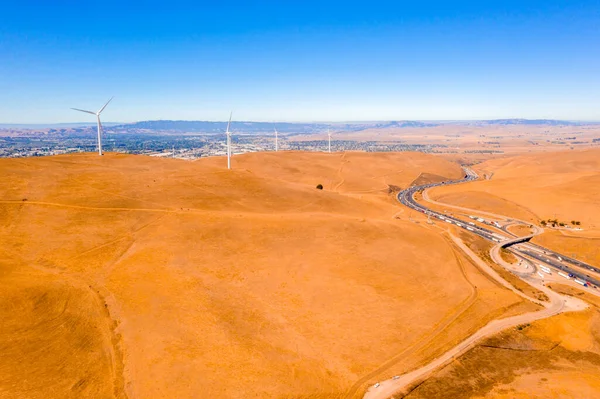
x,y
290,128
539,122
53,125
261,127
219,127
248,127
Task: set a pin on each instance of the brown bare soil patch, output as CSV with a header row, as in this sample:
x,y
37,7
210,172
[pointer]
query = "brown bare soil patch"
x,y
571,291
520,230
508,256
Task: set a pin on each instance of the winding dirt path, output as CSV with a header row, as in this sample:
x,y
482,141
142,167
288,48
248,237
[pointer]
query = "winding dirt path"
x,y
559,304
60,205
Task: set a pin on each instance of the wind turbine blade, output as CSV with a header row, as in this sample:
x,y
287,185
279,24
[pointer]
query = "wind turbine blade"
x,y
102,109
229,123
83,110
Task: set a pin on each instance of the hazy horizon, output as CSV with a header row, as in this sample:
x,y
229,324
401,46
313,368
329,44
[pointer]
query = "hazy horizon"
x,y
350,122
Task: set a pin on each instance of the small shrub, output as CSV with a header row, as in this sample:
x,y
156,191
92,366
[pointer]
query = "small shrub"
x,y
319,187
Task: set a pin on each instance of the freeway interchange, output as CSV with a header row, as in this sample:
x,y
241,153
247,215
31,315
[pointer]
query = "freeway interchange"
x,y
519,246
526,252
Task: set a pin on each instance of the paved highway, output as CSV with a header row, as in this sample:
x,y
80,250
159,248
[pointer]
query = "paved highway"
x,y
522,248
529,250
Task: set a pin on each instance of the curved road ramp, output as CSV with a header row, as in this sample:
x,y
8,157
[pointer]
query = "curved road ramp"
x,y
558,304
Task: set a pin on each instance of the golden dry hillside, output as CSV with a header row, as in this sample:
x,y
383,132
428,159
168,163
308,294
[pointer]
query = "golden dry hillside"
x,y
554,358
534,187
131,276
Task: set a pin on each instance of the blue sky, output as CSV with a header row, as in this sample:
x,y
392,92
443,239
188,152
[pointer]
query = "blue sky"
x,y
299,60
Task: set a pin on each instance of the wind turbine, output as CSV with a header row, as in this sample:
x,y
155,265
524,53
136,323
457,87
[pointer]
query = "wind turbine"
x,y
329,136
228,133
276,144
99,123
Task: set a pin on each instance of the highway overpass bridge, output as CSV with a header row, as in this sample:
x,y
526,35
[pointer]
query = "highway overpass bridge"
x,y
517,240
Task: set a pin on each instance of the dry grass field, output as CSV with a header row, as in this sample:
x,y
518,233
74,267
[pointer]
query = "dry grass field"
x,y
564,186
553,358
131,276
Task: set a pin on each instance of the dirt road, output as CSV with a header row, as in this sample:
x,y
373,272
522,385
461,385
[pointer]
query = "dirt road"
x,y
558,304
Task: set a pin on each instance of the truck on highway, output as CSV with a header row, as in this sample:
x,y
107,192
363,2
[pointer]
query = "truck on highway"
x,y
470,229
541,274
458,224
480,220
448,221
497,224
565,275
580,282
545,269
559,258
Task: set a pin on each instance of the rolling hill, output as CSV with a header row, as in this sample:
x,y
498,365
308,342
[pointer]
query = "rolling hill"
x,y
133,276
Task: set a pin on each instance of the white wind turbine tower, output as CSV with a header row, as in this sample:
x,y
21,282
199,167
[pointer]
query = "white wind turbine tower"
x,y
99,123
228,133
329,136
276,144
